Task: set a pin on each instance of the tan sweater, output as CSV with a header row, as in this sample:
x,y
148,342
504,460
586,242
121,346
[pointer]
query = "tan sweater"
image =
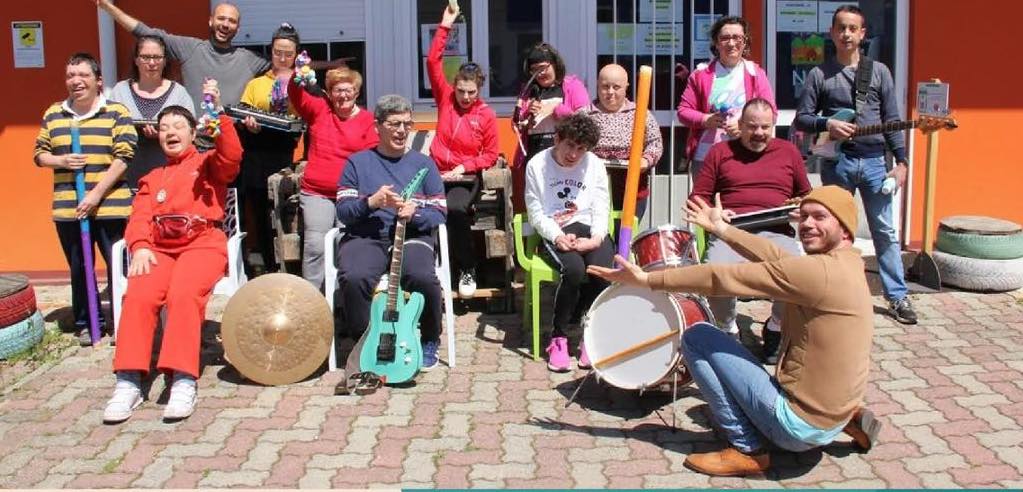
x,y
828,326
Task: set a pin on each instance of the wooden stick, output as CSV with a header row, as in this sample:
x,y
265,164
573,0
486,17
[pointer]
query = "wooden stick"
x,y
636,348
930,186
635,159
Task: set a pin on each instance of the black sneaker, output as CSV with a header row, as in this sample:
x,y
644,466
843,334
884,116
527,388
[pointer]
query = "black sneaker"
x,y
772,342
902,311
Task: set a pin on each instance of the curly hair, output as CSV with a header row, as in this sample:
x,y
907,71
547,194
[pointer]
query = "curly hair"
x,y
580,129
720,24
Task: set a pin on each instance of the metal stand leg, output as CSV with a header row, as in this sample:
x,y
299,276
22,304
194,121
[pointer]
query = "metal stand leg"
x,y
577,388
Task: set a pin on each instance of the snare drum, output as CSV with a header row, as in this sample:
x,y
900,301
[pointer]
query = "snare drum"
x,y
667,246
622,317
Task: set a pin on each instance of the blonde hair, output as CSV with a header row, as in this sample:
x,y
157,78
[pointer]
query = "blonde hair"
x,y
344,74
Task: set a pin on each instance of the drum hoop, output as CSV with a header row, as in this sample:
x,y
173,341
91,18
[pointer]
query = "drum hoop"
x,y
678,321
661,228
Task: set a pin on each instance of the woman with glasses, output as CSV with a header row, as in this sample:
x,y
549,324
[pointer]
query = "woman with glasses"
x,y
548,96
717,91
145,94
465,145
336,128
267,150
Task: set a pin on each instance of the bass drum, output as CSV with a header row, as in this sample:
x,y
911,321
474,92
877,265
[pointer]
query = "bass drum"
x,y
623,317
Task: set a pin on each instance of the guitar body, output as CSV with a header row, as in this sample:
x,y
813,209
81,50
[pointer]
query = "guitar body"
x,y
402,335
827,148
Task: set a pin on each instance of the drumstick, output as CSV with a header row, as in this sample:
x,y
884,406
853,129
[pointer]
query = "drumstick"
x,y
635,348
635,157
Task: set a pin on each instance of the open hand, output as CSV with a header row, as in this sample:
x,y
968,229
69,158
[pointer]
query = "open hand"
x,y
628,274
711,219
141,261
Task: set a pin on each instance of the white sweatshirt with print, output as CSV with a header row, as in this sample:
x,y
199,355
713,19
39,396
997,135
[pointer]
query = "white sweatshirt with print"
x,y
557,196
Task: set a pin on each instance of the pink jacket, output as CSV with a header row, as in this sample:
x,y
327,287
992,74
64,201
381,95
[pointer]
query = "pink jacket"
x,y
695,103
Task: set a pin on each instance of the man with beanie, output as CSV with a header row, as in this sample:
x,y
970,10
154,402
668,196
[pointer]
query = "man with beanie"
x,y
827,328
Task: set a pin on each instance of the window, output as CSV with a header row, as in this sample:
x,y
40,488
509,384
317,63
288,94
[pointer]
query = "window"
x,y
494,33
658,33
514,27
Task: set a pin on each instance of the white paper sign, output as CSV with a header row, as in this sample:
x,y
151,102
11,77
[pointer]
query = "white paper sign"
x,y
932,99
701,35
797,16
661,11
458,43
825,11
28,44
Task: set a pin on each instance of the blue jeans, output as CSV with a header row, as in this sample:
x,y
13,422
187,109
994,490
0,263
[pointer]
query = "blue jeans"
x,y
867,175
740,393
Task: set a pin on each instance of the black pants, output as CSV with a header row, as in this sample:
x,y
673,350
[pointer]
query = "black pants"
x,y
577,290
460,198
104,233
361,261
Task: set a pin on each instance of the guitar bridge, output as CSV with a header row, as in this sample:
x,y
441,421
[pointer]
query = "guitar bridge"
x,y
386,349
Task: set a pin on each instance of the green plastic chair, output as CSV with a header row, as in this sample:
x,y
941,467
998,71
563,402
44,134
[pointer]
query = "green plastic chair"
x,y
538,271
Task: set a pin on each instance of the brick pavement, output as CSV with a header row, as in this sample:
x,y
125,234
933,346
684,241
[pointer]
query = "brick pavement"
x,y
949,391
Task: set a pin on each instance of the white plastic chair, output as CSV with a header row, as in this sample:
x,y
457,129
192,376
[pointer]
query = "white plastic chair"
x,y
235,278
442,269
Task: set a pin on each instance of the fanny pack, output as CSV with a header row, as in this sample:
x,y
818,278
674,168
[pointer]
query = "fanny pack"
x,y
176,230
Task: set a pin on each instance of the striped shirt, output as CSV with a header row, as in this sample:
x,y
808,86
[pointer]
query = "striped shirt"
x,y
106,134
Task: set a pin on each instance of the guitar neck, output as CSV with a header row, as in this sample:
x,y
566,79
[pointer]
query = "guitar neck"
x,y
891,126
394,277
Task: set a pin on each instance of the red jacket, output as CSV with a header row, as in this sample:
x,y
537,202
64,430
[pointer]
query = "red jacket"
x,y
331,140
194,184
464,136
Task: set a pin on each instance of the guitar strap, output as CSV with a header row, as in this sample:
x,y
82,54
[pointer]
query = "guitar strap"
x,y
861,85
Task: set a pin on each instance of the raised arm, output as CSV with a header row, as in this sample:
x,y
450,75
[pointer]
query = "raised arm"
x,y
224,162
434,60
121,17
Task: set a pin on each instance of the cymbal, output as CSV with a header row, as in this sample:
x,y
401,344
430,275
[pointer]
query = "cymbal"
x,y
277,329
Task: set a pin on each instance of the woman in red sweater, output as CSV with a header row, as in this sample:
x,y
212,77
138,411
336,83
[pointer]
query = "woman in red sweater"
x,y
465,145
337,128
178,253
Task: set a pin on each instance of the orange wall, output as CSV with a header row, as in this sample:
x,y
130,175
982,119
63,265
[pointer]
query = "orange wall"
x,y
980,170
29,242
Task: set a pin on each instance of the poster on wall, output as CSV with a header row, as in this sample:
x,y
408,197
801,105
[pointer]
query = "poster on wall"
x,y
825,11
449,64
639,39
807,49
458,43
661,11
797,16
28,44
701,35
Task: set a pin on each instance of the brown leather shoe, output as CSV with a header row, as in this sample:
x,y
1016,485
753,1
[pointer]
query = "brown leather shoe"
x,y
863,427
729,462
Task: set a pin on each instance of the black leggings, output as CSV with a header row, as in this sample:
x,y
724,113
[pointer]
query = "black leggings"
x,y
577,290
461,196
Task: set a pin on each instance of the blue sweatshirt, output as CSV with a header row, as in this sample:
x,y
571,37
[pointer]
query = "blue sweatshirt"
x,y
366,172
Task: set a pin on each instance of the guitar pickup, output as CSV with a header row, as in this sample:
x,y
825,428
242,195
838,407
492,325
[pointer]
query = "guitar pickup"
x,y
391,316
386,349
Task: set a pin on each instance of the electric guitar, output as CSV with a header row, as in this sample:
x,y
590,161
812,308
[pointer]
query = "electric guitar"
x,y
391,346
828,147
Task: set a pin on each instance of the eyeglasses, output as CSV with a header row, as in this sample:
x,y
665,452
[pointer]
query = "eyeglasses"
x,y
738,38
397,125
343,90
151,58
283,54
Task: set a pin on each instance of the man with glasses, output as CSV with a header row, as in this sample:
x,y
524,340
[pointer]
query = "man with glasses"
x,y
369,204
214,58
861,163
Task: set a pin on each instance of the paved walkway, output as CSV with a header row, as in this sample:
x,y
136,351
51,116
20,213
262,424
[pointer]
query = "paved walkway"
x,y
949,391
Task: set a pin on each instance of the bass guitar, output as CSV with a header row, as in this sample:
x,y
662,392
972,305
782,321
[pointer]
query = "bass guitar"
x,y
391,346
828,147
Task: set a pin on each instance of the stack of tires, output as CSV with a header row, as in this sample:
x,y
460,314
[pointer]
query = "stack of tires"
x,y
980,253
21,323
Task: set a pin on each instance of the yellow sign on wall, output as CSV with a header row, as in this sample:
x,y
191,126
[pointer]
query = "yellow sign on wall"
x,y
28,44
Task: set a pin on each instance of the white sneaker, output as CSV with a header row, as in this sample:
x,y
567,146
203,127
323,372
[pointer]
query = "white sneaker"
x,y
466,284
127,397
182,398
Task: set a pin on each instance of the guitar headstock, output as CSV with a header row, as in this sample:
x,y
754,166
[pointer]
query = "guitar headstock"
x,y
929,124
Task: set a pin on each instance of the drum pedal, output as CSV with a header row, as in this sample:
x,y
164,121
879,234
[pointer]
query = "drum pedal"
x,y
385,351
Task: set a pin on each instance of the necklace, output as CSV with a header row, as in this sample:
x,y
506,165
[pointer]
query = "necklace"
x,y
161,195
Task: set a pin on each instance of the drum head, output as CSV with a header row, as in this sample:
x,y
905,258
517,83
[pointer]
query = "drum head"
x,y
622,317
